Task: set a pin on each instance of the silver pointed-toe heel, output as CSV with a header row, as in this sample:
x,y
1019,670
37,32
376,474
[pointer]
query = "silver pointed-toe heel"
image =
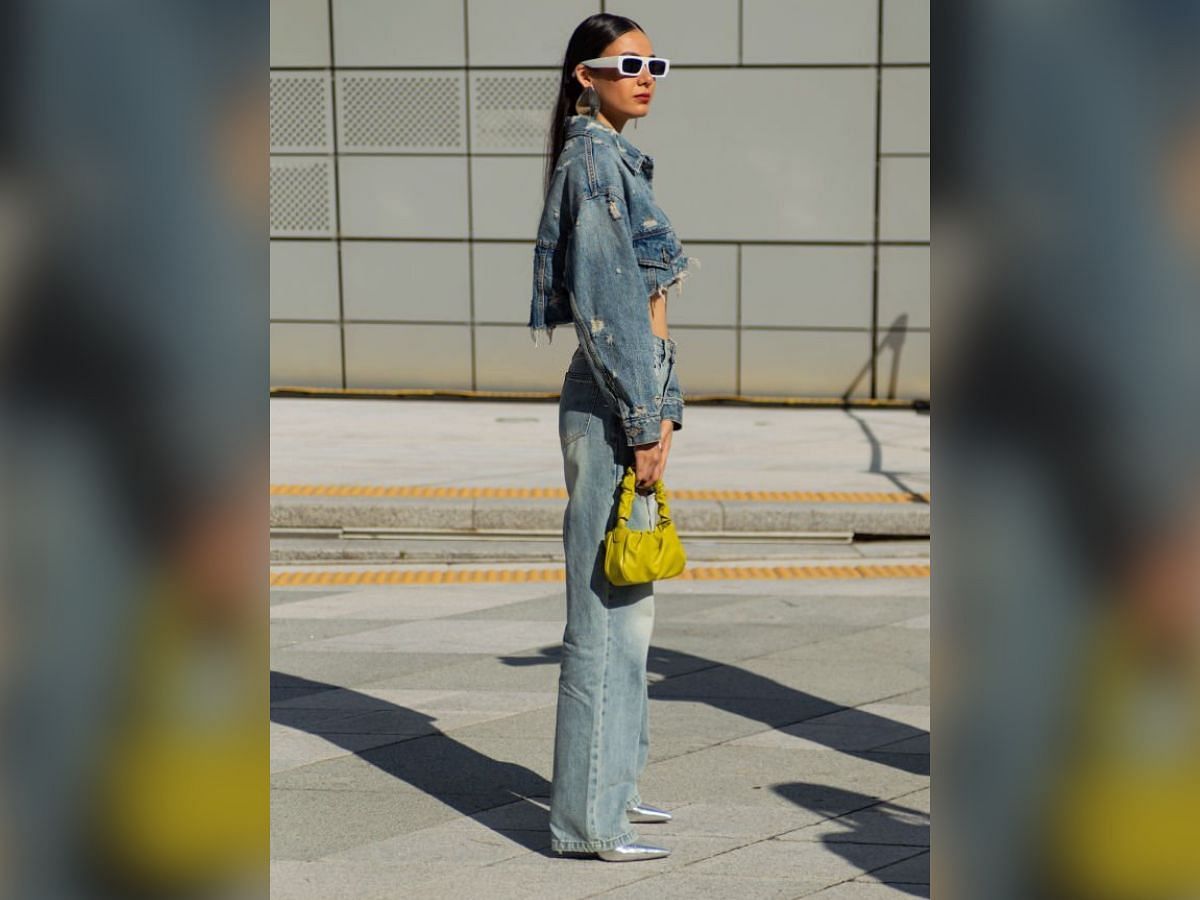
x,y
643,814
631,852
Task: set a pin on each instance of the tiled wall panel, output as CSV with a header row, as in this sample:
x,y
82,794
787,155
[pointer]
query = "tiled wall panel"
x,y
407,157
906,31
304,280
806,286
413,281
391,33
813,363
809,31
299,33
305,355
905,107
419,356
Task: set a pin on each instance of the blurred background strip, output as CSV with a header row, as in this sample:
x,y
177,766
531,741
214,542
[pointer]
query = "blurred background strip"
x,y
133,450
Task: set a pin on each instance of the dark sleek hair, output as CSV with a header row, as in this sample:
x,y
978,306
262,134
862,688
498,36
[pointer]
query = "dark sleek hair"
x,y
588,40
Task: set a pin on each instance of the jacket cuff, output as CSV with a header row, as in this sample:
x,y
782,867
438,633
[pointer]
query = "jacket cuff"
x,y
643,430
673,409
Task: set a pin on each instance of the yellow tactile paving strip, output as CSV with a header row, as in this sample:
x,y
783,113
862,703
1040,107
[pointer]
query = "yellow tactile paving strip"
x,y
518,576
556,493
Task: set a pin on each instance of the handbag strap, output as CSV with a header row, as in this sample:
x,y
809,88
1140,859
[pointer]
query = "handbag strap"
x,y
625,505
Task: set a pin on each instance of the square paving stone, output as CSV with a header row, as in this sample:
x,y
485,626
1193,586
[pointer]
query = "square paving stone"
x,y
550,607
918,800
446,636
817,864
400,602
289,632
720,643
537,724
885,823
315,824
860,890
328,879
686,886
282,596
918,745
532,670
867,727
914,870
827,782
811,687
735,720
905,646
559,878
526,814
351,669
729,820
438,765
291,748
441,846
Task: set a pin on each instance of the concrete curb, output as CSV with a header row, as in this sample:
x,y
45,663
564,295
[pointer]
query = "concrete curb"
x,y
876,519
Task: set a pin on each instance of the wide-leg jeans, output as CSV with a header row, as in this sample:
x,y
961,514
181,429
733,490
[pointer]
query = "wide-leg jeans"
x,y
601,736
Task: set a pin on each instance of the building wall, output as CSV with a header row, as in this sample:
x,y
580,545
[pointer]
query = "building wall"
x,y
791,143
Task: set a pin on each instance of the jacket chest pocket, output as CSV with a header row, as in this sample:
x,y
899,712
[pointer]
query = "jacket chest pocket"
x,y
656,249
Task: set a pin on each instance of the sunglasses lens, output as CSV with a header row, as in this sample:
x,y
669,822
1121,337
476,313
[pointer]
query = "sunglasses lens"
x,y
630,65
658,67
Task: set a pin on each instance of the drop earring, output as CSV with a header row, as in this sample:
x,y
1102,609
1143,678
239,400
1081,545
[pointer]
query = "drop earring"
x,y
588,103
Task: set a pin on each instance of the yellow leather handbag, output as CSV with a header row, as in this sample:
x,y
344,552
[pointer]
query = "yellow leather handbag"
x,y
636,557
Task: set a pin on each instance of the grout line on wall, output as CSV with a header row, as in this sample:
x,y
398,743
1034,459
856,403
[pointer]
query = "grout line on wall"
x,y
737,383
682,326
470,198
741,53
337,198
874,357
550,69
708,242
531,154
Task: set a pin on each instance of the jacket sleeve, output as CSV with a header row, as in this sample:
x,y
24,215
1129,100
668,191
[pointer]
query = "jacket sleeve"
x,y
612,313
673,402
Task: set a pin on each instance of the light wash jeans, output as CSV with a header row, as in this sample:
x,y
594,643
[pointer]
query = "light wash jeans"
x,y
601,737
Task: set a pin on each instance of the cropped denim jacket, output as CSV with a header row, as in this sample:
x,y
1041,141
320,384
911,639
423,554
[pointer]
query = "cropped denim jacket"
x,y
603,248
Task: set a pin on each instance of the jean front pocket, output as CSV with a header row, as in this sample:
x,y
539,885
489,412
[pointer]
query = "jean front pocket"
x,y
576,406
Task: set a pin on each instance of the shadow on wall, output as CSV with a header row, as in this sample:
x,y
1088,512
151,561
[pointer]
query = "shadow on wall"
x,y
893,339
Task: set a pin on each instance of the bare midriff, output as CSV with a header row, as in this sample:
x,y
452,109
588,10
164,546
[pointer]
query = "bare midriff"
x,y
658,315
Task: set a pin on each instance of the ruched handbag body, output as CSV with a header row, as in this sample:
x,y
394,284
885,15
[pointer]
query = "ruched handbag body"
x,y
636,557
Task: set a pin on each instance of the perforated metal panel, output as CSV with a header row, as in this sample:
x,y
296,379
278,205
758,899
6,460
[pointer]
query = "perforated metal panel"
x,y
302,197
510,112
301,117
417,113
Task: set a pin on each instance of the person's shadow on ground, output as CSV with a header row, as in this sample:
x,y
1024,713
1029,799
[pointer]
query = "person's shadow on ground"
x,y
862,823
752,696
471,782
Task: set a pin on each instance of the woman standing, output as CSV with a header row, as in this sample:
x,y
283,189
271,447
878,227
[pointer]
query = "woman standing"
x,y
604,258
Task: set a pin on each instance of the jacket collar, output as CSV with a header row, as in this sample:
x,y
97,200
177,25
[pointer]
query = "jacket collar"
x,y
634,158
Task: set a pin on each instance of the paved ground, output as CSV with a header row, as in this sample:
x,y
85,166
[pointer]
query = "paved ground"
x,y
380,464
412,724
514,444
412,742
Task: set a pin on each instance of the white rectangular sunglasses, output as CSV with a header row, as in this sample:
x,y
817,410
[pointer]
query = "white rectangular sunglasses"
x,y
629,65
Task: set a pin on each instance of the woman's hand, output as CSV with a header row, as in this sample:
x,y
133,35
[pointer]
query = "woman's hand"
x,y
650,460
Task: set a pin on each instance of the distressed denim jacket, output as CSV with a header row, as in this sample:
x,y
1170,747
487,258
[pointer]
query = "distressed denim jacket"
x,y
603,248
